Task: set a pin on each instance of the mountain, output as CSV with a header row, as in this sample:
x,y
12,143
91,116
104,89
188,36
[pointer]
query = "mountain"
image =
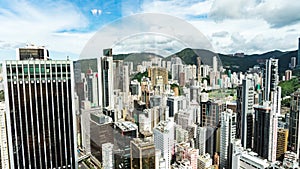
x,y
235,62
189,56
136,58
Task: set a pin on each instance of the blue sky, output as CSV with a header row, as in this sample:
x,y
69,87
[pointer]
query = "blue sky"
x,y
64,27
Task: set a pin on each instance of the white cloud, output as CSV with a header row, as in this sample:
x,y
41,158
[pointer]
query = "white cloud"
x,y
250,26
178,8
278,13
42,25
96,12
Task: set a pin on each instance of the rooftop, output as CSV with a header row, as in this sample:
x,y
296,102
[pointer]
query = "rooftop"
x,y
126,125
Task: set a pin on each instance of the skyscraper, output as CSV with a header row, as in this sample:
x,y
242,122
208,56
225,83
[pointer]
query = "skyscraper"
x,y
105,79
265,132
239,103
164,140
40,113
142,152
107,156
247,113
294,124
282,142
200,140
210,112
271,78
199,68
298,58
228,131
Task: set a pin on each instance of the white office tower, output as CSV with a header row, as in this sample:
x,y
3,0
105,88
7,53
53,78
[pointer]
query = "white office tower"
x,y
190,72
247,112
228,130
164,140
176,70
204,161
157,158
85,126
215,64
3,136
107,156
201,139
92,87
292,65
205,70
271,78
126,79
105,79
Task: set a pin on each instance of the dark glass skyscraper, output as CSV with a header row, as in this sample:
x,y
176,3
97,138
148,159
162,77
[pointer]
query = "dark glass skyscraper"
x,y
40,113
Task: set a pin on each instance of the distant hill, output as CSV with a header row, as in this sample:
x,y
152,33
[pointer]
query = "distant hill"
x,y
235,63
189,56
136,58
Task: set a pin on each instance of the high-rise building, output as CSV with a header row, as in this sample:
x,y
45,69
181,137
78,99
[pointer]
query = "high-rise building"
x,y
239,104
175,104
293,63
4,157
288,75
96,130
215,64
164,140
107,156
265,132
105,79
40,113
282,142
211,140
142,153
271,79
294,124
192,156
118,72
92,87
228,131
154,72
199,68
298,57
124,132
247,113
204,161
200,140
176,70
210,112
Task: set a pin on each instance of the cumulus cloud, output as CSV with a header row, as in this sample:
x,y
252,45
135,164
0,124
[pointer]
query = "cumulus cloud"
x,y
43,26
278,13
149,42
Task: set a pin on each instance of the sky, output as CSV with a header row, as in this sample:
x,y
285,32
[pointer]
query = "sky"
x,y
65,27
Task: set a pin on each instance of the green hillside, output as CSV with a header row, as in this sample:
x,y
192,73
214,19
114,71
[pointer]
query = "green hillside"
x,y
234,63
